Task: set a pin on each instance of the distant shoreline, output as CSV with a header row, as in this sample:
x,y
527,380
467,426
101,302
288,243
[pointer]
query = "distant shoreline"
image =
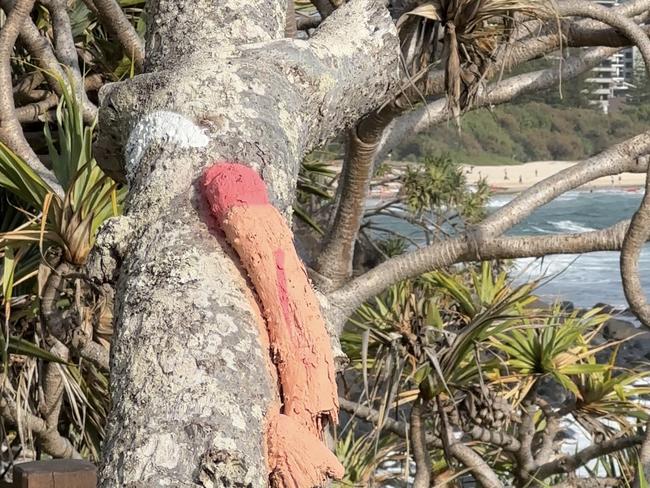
x,y
585,188
519,177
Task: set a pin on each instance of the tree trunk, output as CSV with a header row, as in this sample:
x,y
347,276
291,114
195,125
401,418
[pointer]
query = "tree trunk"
x,y
191,375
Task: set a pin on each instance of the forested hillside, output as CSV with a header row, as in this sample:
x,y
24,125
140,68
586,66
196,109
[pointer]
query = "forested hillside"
x,y
550,125
529,131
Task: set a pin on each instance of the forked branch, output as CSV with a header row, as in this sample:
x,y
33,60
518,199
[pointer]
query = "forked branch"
x,y
621,158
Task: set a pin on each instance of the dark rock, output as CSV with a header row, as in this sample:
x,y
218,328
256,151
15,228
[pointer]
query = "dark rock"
x,y
567,306
608,309
539,304
616,329
552,391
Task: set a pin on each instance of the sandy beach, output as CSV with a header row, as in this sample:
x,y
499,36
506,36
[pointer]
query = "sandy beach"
x,y
514,178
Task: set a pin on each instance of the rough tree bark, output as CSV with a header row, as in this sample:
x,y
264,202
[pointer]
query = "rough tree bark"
x,y
189,389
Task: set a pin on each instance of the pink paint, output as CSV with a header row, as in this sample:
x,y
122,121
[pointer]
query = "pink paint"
x,y
228,185
301,462
296,330
283,288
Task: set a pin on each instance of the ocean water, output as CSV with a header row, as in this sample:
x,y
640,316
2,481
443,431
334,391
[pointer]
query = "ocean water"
x,y
582,279
585,279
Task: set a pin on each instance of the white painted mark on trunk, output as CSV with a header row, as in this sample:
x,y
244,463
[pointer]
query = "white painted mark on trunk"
x,y
164,128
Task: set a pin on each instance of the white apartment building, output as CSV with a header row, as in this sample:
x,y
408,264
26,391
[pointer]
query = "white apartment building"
x,y
611,79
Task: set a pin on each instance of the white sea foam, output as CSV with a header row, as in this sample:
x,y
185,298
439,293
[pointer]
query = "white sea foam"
x,y
571,226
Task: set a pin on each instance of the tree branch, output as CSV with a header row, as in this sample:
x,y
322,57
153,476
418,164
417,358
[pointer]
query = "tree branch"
x,y
617,159
31,112
590,482
568,464
637,235
549,433
425,116
366,146
291,27
612,18
639,229
496,438
67,53
44,57
52,442
466,455
417,435
113,19
11,133
524,50
525,459
334,262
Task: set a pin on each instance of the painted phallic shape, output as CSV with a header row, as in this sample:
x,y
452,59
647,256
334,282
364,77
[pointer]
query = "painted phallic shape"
x,y
299,344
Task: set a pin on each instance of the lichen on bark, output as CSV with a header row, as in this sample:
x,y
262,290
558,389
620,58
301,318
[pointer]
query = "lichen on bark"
x,y
188,380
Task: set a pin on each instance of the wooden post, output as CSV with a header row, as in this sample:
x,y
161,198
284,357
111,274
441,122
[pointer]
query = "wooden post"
x,y
57,473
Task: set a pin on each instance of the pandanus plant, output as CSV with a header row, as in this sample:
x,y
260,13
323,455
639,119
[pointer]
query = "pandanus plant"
x,y
46,236
68,221
466,36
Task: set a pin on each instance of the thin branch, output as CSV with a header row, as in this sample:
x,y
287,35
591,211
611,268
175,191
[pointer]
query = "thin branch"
x,y
473,461
436,112
495,437
87,349
590,482
114,20
44,58
525,459
639,229
11,133
514,247
47,101
548,435
372,416
52,442
290,28
67,52
417,435
53,387
32,112
568,464
617,159
65,327
466,455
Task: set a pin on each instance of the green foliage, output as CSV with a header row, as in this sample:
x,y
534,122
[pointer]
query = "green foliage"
x,y
434,324
474,346
433,202
437,188
90,196
37,225
361,455
556,345
529,131
313,188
